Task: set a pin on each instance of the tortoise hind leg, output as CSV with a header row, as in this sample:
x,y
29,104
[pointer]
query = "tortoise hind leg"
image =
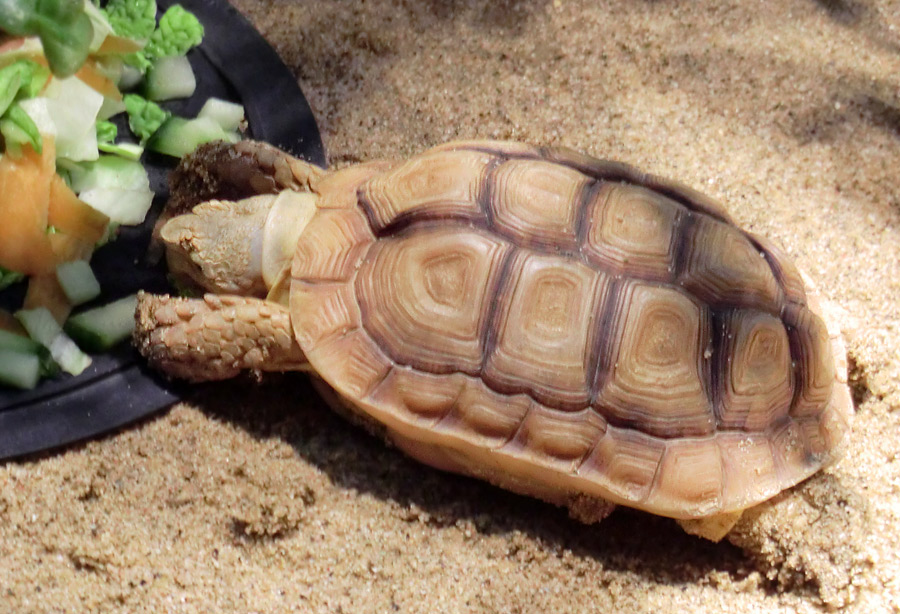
x,y
215,337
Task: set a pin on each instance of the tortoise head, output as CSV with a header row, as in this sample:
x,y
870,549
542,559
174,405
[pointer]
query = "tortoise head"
x,y
237,247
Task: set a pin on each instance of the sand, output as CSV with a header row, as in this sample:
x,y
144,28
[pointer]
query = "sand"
x,y
252,498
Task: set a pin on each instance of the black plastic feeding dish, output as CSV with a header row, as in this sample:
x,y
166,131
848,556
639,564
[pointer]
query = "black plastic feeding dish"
x,y
235,63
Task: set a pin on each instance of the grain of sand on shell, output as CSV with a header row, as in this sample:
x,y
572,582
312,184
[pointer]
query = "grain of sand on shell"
x,y
246,499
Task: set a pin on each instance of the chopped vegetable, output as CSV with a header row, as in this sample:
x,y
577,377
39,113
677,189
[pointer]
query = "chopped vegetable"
x,y
69,214
134,19
106,132
144,116
18,342
19,369
101,328
178,32
228,115
10,324
170,77
7,277
45,330
73,106
24,201
45,291
19,129
117,187
179,136
59,195
63,26
77,281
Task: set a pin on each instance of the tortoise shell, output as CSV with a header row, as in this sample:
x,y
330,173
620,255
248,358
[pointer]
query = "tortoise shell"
x,y
565,326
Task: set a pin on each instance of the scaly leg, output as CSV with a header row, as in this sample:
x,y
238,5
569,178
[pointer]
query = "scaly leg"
x,y
215,337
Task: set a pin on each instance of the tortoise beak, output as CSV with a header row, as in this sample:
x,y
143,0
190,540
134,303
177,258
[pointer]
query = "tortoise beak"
x,y
218,246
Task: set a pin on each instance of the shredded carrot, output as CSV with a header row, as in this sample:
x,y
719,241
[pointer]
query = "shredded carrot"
x,y
24,203
71,215
10,324
97,81
118,45
45,291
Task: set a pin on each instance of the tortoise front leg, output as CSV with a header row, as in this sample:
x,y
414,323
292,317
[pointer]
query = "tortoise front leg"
x,y
215,337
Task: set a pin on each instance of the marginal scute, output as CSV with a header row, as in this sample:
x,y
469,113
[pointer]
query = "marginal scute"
x,y
756,374
690,477
632,230
425,296
657,364
490,416
624,462
434,184
353,359
425,396
561,438
750,473
723,268
689,197
536,202
785,271
814,364
332,246
545,320
322,310
792,458
338,189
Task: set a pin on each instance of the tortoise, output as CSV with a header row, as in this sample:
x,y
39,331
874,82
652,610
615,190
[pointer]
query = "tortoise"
x,y
561,326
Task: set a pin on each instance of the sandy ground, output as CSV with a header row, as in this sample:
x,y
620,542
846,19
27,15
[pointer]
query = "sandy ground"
x,y
258,499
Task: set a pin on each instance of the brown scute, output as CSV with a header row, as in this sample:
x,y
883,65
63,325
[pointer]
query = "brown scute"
x,y
432,185
544,314
536,202
757,382
723,268
657,381
632,231
813,361
522,313
425,297
334,243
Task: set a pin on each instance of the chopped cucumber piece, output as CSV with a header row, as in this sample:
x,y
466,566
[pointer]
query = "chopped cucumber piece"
x,y
12,342
44,329
228,115
170,77
78,281
101,328
179,136
19,369
18,343
131,77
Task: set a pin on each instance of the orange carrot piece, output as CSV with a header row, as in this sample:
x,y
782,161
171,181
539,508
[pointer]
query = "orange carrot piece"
x,y
45,291
68,247
10,324
24,203
66,212
118,45
97,81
